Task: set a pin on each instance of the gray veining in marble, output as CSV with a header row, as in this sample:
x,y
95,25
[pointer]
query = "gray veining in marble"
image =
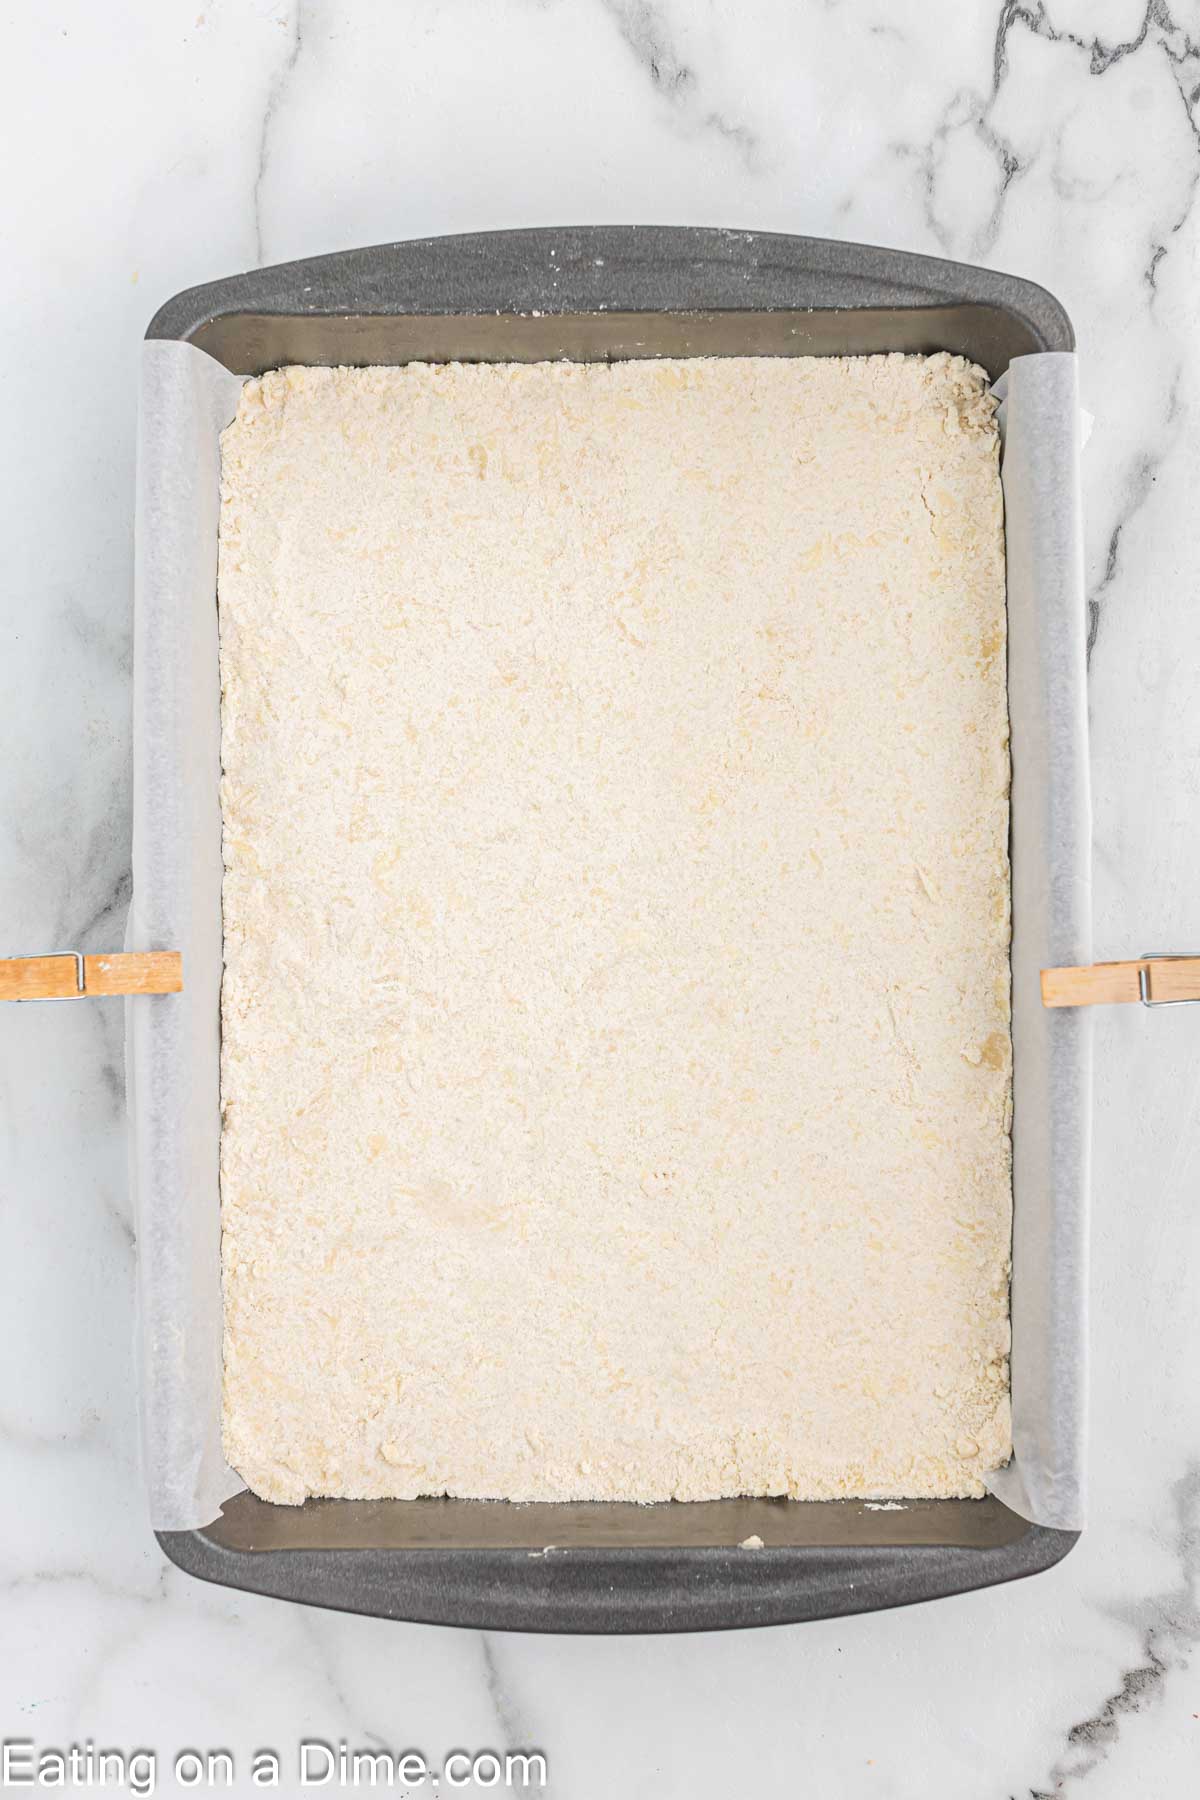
x,y
155,144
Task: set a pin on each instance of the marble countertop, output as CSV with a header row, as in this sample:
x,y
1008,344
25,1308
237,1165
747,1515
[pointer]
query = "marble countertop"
x,y
154,144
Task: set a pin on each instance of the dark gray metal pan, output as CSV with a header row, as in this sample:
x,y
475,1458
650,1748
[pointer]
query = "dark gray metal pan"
x,y
600,293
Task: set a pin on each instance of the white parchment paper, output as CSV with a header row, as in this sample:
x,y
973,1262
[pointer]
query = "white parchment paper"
x,y
173,1042
1052,924
172,1045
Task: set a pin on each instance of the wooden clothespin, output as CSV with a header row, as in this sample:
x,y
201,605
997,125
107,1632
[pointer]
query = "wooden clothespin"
x,y
1159,978
70,975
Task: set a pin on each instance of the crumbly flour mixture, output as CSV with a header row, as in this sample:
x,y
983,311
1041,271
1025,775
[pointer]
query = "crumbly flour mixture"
x,y
616,1056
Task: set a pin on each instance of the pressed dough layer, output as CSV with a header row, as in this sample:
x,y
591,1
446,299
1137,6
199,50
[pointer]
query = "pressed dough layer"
x,y
615,1068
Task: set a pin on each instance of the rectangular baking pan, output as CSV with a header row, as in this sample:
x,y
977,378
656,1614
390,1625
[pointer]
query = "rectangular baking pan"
x,y
596,294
